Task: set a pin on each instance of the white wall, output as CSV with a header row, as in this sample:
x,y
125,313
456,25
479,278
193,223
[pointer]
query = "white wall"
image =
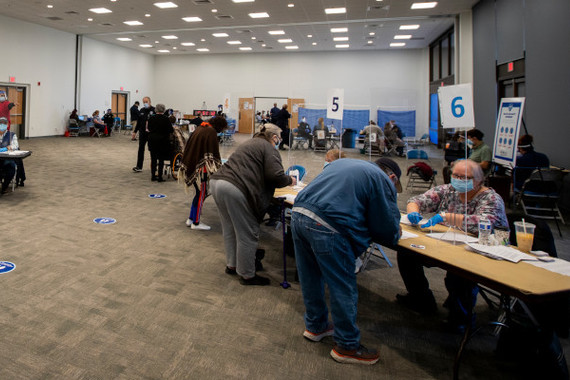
x,y
464,48
393,79
106,68
32,54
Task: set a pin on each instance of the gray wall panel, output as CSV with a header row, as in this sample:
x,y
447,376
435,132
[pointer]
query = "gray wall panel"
x,y
510,30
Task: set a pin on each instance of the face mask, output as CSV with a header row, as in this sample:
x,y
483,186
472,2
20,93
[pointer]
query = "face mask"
x,y
2,98
470,143
3,127
146,105
326,164
462,185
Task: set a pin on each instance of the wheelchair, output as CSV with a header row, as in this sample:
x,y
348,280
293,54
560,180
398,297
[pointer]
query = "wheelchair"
x,y
178,141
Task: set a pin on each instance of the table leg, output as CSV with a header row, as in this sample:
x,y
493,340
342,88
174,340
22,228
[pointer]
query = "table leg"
x,y
284,284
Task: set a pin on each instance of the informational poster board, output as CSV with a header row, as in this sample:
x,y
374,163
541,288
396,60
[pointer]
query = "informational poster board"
x,y
509,121
456,106
335,103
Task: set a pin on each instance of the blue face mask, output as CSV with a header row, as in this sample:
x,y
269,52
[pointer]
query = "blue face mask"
x,y
470,144
462,185
3,127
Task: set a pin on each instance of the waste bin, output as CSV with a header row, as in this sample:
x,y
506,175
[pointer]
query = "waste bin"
x,y
349,138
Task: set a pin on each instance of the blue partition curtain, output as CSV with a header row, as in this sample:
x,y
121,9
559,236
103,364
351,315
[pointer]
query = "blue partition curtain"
x,y
352,119
405,120
433,118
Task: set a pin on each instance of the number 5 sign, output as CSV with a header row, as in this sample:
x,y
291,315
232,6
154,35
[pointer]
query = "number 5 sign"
x,y
456,106
335,103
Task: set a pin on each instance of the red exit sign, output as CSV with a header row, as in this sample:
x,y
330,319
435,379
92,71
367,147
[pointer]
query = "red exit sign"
x,y
510,66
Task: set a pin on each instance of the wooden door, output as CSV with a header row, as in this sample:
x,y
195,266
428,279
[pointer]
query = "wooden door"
x,y
17,95
245,123
119,106
294,105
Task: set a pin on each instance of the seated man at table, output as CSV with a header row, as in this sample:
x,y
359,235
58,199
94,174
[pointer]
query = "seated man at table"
x,y
330,234
449,201
8,142
527,161
374,137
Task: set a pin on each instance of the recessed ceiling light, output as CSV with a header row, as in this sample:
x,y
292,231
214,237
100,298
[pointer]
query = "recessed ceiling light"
x,y
426,5
174,48
164,51
342,46
339,30
188,44
244,48
203,40
314,43
124,39
402,36
243,1
371,34
164,5
263,45
133,23
192,19
292,47
309,36
276,32
220,34
145,45
335,11
340,39
285,41
156,42
234,42
214,10
259,15
89,19
147,15
409,27
290,5
253,38
370,42
112,1
170,37
100,10
397,44
50,6
203,49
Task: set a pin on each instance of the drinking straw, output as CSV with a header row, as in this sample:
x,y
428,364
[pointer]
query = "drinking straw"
x,y
524,226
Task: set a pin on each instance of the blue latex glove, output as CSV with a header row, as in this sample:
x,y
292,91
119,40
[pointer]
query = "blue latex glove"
x,y
436,219
414,217
3,149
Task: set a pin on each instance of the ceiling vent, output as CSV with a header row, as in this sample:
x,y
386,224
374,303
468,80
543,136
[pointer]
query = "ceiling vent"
x,y
379,8
72,13
106,24
224,17
54,18
244,31
202,2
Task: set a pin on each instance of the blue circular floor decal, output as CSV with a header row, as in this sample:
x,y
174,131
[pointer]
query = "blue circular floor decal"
x,y
104,221
157,196
6,266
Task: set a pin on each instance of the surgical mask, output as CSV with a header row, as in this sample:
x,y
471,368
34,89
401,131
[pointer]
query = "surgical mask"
x,y
462,185
470,144
326,164
146,105
276,146
2,98
3,127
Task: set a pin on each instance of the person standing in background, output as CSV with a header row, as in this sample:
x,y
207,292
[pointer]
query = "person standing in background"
x,y
5,107
134,117
159,130
273,113
141,128
283,123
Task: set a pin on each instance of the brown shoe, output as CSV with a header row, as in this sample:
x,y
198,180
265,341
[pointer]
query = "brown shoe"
x,y
362,355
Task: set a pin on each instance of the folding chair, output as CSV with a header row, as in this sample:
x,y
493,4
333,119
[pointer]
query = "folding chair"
x,y
73,128
420,175
227,136
374,145
320,140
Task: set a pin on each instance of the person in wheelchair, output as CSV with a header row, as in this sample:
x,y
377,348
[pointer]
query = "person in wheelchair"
x,y
109,120
320,138
304,131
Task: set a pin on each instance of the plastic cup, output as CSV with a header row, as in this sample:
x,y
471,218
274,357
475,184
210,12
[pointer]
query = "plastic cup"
x,y
525,236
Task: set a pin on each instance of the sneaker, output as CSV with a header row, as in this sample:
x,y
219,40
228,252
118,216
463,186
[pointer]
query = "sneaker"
x,y
255,280
230,270
362,355
200,226
189,222
137,170
317,337
422,306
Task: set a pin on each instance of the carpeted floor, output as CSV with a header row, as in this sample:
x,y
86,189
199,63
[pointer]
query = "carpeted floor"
x,y
148,298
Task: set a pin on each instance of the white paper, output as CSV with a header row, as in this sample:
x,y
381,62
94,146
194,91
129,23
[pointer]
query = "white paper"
x,y
501,252
453,236
290,198
558,266
404,220
407,235
16,152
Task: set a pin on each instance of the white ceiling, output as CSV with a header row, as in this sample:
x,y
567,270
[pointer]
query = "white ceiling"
x,y
307,17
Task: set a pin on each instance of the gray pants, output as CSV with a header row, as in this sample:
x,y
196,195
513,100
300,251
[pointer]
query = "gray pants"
x,y
239,227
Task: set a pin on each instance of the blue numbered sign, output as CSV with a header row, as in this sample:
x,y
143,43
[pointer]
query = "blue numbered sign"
x,y
335,103
456,106
157,196
6,266
104,221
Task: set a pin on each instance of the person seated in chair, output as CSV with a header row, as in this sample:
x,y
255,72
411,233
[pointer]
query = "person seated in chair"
x,y
304,131
393,133
465,195
320,142
480,152
109,120
97,122
8,142
528,159
374,137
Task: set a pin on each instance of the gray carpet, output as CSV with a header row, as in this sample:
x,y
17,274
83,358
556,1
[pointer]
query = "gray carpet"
x,y
148,298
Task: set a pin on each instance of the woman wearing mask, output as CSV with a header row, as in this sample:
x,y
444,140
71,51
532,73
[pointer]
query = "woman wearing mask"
x,y
243,189
8,142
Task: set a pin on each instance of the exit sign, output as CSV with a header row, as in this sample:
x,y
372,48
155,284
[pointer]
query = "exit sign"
x,y
12,79
510,66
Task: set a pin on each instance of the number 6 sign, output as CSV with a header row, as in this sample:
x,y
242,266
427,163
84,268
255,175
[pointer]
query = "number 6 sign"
x,y
456,106
335,103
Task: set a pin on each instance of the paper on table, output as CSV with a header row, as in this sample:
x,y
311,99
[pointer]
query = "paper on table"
x,y
453,236
500,252
407,235
17,152
404,220
558,265
290,198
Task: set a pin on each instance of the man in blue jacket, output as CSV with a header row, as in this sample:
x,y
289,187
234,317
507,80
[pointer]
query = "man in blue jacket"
x,y
335,218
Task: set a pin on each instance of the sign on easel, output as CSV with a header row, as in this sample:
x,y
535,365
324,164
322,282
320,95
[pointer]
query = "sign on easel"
x,y
509,121
456,106
335,103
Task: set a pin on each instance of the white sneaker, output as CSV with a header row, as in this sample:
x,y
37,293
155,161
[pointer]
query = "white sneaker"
x,y
189,222
200,226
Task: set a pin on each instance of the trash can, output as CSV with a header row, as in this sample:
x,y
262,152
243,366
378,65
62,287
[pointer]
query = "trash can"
x,y
349,138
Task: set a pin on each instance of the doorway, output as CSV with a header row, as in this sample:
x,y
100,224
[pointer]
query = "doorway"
x,y
17,95
119,105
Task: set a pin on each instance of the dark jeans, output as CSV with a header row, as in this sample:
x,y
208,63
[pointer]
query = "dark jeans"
x,y
285,135
7,171
21,173
143,138
156,157
462,293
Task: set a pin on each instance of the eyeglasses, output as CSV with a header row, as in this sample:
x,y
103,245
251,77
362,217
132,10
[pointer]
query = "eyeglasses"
x,y
456,176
